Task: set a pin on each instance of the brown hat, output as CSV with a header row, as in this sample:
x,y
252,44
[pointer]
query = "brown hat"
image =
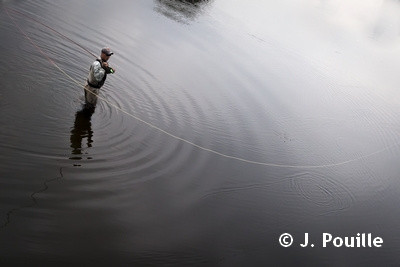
x,y
107,51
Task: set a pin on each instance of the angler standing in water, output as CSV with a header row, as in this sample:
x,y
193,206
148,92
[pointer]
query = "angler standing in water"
x,y
97,76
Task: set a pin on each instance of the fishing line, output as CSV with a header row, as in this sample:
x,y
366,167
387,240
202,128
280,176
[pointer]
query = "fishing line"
x,y
48,27
164,131
33,198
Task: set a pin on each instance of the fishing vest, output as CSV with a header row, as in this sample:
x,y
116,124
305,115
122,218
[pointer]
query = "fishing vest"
x,y
98,84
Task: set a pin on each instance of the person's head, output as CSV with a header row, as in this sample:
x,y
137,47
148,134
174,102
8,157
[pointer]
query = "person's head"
x,y
106,54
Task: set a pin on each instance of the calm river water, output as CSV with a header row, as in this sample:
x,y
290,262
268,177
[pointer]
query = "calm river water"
x,y
226,124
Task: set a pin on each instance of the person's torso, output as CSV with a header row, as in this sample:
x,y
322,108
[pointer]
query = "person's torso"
x,y
97,75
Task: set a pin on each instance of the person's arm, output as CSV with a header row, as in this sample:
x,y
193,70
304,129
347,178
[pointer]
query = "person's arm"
x,y
98,71
108,68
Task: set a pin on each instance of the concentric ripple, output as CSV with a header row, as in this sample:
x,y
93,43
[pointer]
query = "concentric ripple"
x,y
322,190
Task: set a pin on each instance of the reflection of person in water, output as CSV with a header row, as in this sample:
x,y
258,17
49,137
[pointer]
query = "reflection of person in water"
x,y
82,129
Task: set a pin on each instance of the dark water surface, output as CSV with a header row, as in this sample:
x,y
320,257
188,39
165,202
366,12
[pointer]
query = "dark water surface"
x,y
310,89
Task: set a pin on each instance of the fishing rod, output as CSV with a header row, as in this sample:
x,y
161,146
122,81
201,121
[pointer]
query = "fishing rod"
x,y
50,28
